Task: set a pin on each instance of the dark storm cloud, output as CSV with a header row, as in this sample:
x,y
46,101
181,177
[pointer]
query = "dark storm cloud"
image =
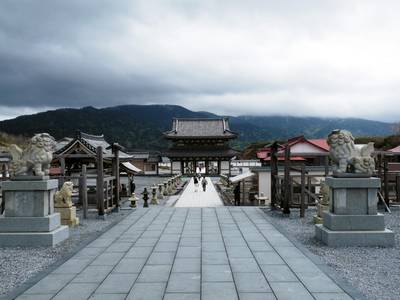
x,y
256,56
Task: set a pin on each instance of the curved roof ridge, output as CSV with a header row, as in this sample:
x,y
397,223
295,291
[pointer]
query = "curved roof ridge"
x,y
91,136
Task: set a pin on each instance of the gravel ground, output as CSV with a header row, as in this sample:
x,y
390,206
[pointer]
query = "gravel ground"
x,y
374,271
18,264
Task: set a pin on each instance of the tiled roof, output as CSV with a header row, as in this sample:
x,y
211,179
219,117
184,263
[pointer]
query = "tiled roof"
x,y
201,128
321,143
91,142
395,149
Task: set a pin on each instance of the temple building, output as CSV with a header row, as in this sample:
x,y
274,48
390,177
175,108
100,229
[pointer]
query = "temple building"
x,y
200,146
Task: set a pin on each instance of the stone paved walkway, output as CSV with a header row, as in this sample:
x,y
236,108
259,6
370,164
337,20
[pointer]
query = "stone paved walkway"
x,y
189,253
191,198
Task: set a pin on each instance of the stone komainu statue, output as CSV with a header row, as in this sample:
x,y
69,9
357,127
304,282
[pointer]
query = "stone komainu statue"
x,y
62,198
36,158
346,157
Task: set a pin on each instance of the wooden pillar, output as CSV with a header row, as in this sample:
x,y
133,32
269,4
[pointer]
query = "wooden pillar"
x,y
397,188
386,181
326,166
219,167
287,188
4,171
303,190
182,167
116,148
274,174
100,181
83,191
62,164
206,166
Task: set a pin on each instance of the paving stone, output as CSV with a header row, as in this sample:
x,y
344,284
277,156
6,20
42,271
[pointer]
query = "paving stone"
x,y
251,282
119,247
94,274
101,243
239,252
161,258
108,259
257,296
215,273
170,238
72,266
302,265
117,284
166,247
212,238
197,252
244,265
290,291
155,273
51,284
278,273
268,258
76,291
188,252
139,252
213,246
184,283
318,282
146,242
263,246
218,291
181,296
147,291
35,297
289,252
88,252
186,265
214,258
331,296
190,242
130,265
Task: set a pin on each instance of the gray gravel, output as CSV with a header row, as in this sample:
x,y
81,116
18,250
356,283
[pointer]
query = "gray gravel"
x,y
374,271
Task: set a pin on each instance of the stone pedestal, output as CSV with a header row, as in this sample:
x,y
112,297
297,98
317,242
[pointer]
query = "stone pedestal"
x,y
352,219
29,217
68,215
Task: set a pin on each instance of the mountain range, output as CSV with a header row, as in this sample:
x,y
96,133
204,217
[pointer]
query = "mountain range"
x,y
141,126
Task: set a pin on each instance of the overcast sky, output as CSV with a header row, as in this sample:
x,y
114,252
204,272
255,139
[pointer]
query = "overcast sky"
x,y
290,57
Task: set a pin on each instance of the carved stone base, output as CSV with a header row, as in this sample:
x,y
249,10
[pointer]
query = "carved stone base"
x,y
68,215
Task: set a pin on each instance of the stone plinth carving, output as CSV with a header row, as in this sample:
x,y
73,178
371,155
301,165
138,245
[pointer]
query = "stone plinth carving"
x,y
63,205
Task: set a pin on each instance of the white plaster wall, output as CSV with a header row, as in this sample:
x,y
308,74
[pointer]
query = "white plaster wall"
x,y
305,148
176,167
264,184
225,167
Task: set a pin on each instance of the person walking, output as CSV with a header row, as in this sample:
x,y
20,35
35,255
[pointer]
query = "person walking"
x,y
204,183
196,183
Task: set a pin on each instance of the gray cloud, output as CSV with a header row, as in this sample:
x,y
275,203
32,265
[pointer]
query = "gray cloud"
x,y
312,57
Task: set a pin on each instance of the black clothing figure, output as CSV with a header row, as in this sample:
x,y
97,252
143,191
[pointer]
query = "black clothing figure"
x,y
204,184
195,180
236,193
133,186
145,198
